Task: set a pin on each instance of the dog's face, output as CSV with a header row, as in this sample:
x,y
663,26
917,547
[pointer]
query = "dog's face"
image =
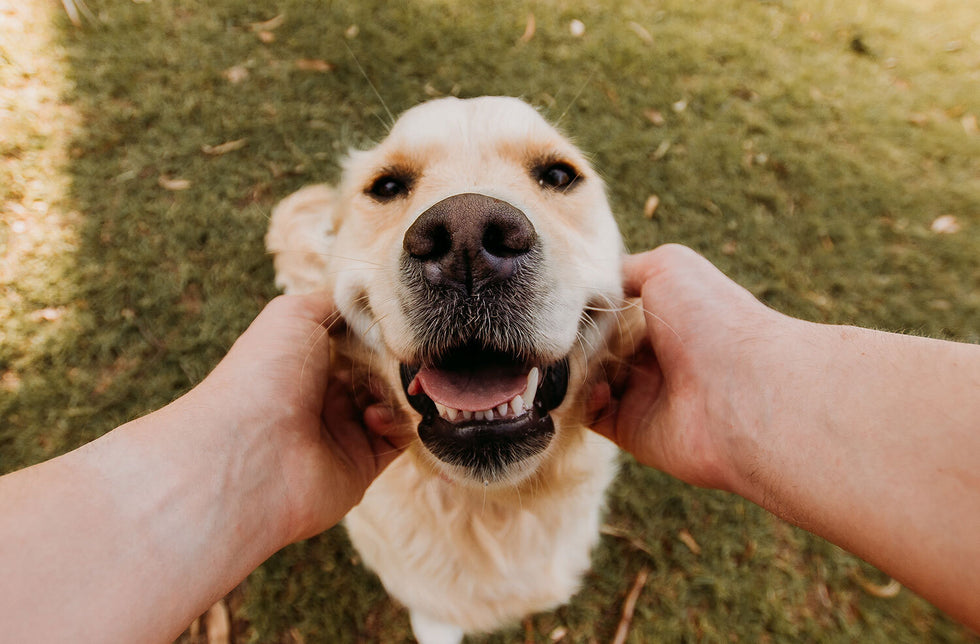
x,y
474,254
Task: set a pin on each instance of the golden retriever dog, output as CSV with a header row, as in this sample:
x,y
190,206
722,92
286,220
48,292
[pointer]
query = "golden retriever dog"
x,y
476,264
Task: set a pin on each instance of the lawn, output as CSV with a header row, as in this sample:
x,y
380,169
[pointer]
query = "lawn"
x,y
824,153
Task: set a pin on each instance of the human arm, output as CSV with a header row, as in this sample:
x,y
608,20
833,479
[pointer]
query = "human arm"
x,y
866,438
130,537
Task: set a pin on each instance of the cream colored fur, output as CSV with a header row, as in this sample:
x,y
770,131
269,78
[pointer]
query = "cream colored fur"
x,y
461,555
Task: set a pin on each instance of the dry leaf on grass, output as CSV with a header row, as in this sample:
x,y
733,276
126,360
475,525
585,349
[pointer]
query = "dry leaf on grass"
x,y
314,65
641,31
655,116
224,148
945,225
529,29
168,183
969,123
236,74
270,24
689,541
351,32
219,624
576,27
650,207
558,634
883,591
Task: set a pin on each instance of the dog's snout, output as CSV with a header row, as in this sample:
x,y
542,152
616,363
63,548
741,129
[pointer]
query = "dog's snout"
x,y
469,240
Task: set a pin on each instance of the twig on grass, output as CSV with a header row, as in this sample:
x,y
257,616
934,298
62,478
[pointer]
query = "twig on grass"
x,y
630,605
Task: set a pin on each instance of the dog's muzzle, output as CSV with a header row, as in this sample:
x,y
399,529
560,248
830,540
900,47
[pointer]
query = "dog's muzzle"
x,y
470,268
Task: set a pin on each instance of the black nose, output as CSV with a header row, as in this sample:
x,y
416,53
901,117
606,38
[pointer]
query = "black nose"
x,y
468,241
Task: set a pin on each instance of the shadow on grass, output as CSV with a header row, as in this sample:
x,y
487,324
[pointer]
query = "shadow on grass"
x,y
809,168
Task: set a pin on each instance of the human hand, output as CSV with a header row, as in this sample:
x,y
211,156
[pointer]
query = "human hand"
x,y
699,382
276,388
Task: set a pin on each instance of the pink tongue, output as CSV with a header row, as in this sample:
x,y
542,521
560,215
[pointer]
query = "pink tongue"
x,y
477,390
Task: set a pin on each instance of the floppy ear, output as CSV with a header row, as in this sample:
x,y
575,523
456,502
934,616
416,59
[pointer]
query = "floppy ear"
x,y
301,234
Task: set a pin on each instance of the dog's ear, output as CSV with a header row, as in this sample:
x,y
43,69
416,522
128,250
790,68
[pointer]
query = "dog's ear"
x,y
301,234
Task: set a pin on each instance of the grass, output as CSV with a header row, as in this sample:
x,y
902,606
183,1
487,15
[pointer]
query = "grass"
x,y
807,147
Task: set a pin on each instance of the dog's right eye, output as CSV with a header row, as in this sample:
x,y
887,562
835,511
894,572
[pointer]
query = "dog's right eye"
x,y
388,186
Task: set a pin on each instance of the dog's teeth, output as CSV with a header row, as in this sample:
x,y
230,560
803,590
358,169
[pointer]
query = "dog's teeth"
x,y
467,415
517,405
502,409
532,386
452,413
488,414
441,409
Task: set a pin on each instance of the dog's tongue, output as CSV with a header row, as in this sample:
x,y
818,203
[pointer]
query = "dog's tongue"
x,y
470,390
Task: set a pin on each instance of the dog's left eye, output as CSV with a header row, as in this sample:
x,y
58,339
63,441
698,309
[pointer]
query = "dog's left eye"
x,y
557,176
387,187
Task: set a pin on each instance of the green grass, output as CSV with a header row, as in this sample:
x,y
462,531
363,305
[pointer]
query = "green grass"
x,y
806,147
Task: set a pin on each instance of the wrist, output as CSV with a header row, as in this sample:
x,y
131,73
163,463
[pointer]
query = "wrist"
x,y
775,401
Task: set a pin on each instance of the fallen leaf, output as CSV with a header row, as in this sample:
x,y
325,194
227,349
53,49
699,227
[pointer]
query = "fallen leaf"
x,y
655,116
558,634
918,119
640,31
729,248
651,205
661,150
236,74
576,27
49,314
351,32
969,123
529,28
219,624
224,148
689,541
945,225
314,65
9,381
270,24
886,591
167,183
267,37
680,106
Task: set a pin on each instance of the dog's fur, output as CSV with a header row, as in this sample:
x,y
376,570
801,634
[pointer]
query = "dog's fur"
x,y
469,548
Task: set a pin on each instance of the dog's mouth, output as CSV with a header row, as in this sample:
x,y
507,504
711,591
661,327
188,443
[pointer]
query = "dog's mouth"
x,y
484,410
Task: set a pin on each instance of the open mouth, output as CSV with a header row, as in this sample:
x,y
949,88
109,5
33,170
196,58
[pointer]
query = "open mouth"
x,y
484,410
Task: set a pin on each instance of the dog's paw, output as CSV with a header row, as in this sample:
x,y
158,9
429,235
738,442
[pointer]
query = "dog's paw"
x,y
430,631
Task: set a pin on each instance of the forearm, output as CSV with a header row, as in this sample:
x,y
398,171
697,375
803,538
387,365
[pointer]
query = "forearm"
x,y
129,538
872,441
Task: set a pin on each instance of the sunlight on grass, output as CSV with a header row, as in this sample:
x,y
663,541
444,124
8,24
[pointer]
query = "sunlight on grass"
x,y
822,152
38,230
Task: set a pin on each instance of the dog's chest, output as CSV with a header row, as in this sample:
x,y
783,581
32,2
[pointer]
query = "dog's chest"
x,y
477,562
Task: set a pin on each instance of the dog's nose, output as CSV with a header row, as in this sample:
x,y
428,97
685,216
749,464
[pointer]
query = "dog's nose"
x,y
469,240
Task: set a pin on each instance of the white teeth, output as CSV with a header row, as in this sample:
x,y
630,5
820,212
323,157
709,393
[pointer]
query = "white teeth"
x,y
441,409
452,413
517,406
502,409
532,386
467,415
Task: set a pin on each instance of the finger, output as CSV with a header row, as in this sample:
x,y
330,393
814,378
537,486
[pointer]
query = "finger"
x,y
600,407
318,306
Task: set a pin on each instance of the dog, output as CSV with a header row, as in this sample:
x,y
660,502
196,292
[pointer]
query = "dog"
x,y
476,264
